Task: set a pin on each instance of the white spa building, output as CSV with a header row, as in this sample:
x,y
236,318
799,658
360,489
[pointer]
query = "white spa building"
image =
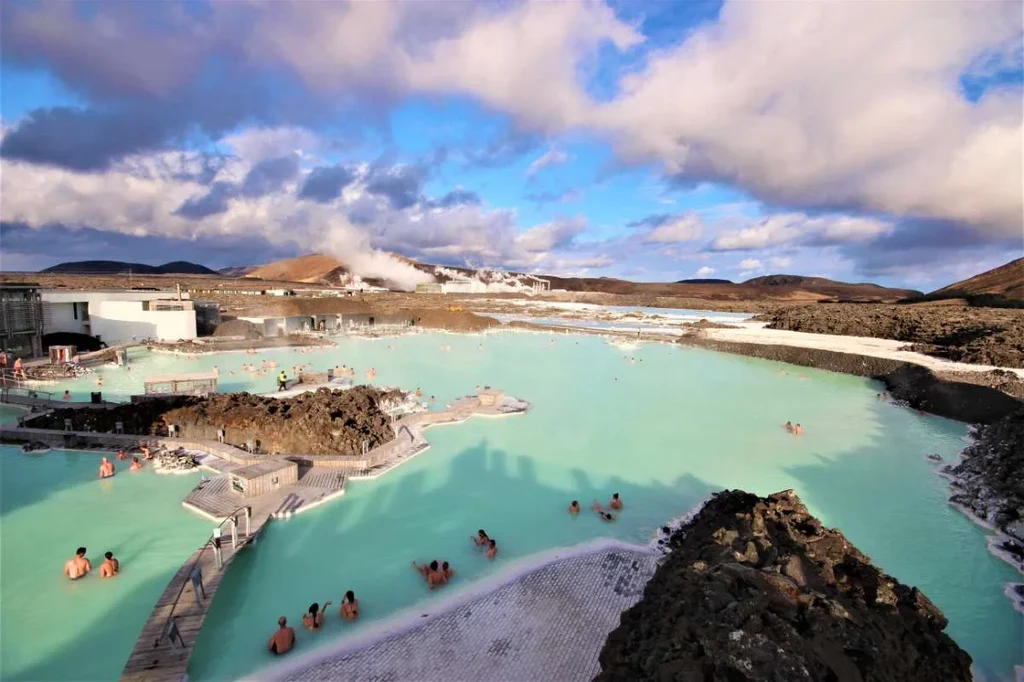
x,y
119,316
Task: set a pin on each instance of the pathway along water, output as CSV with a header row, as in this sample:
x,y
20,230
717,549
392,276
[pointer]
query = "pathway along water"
x,y
662,430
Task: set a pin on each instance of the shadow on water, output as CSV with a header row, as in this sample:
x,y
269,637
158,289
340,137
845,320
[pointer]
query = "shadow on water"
x,y
427,513
955,575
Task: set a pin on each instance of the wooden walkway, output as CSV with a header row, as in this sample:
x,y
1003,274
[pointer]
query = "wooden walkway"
x,y
161,658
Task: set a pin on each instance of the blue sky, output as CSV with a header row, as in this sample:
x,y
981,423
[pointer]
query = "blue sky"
x,y
648,140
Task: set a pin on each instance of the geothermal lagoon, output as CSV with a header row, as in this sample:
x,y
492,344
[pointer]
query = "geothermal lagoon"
x,y
660,424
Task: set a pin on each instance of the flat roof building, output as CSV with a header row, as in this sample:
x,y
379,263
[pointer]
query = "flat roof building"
x,y
21,320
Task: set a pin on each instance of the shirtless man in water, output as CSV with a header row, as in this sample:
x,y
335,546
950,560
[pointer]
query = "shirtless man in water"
x,y
77,566
106,468
574,508
110,566
615,502
282,641
492,549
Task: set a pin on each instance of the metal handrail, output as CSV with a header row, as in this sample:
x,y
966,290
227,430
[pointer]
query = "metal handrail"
x,y
188,574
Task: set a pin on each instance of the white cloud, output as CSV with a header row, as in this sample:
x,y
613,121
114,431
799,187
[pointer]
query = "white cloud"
x,y
682,228
799,228
542,238
841,103
749,264
256,144
781,262
705,271
552,157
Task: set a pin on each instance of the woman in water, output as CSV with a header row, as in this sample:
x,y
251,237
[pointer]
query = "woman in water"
x,y
481,538
314,617
349,606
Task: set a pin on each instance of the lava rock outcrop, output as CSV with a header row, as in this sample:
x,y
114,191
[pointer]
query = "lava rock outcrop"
x,y
756,589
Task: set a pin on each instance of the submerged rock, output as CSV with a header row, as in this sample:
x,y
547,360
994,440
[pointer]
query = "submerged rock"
x,y
757,589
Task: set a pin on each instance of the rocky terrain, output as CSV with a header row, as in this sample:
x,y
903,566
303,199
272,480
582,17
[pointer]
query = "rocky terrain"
x,y
320,423
986,336
989,481
756,589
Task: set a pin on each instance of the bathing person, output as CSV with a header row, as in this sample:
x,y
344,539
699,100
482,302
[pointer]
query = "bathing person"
x,y
574,508
67,395
314,617
492,549
789,427
106,468
615,502
447,571
283,640
121,454
605,516
146,454
136,464
350,606
798,430
78,565
481,538
110,566
282,380
426,569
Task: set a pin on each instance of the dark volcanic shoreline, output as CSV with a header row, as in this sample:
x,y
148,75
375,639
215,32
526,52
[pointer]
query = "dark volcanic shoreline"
x,y
919,387
756,589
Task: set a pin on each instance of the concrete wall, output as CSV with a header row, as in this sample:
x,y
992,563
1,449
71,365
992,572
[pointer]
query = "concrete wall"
x,y
60,317
67,296
117,321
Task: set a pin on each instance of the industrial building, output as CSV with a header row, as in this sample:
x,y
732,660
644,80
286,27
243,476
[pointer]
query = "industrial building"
x,y
21,320
528,284
119,316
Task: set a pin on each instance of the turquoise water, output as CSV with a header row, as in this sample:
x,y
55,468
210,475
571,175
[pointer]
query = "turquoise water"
x,y
662,431
52,503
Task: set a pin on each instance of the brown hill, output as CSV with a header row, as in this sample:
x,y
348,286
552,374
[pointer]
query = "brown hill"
x,y
313,267
1006,281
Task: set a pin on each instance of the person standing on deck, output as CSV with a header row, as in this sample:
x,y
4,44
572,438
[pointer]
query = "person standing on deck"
x,y
19,369
282,380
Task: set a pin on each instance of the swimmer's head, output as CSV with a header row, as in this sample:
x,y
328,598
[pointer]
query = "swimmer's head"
x,y
282,621
108,555
433,565
80,551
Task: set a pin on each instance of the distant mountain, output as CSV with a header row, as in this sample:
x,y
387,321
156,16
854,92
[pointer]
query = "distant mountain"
x,y
705,281
236,271
1006,281
845,291
114,267
311,268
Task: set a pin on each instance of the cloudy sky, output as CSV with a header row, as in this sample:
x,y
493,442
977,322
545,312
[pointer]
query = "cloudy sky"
x,y
646,140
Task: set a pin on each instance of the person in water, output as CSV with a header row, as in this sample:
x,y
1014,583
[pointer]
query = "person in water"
x,y
110,566
574,508
481,538
136,465
447,571
798,430
67,395
349,606
615,502
789,427
282,641
106,468
425,569
605,516
314,617
77,566
492,549
121,454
